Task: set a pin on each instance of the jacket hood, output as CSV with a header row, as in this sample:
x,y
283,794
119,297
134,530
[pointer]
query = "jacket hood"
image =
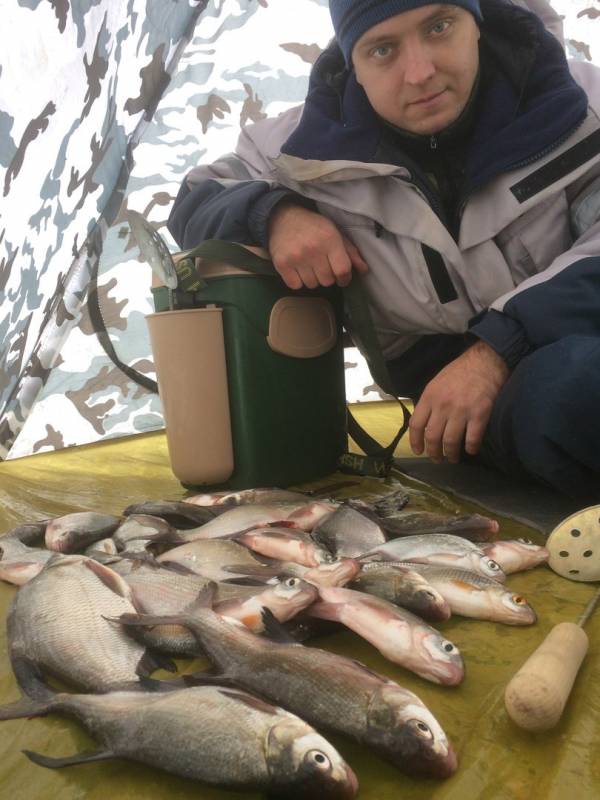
x,y
529,102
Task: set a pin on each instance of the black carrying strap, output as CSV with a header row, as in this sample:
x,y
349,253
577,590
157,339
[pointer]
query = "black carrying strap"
x,y
363,332
99,327
379,459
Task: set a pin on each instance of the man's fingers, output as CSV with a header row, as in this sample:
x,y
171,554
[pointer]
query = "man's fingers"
x,y
475,430
416,427
432,436
358,262
308,277
290,277
452,440
324,272
340,265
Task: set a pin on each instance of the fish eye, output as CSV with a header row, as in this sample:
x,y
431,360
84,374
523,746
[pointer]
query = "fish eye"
x,y
493,565
430,595
518,600
423,729
291,582
524,541
328,558
449,647
319,759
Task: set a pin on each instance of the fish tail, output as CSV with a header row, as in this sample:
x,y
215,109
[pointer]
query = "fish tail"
x,y
24,708
31,681
38,699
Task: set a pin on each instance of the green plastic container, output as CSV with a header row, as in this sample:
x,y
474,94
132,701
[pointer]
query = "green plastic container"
x,y
287,413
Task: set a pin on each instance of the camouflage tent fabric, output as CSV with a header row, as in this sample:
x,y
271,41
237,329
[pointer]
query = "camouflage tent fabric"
x,y
104,106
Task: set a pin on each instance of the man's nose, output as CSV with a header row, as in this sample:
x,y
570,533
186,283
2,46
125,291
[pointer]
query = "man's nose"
x,y
418,64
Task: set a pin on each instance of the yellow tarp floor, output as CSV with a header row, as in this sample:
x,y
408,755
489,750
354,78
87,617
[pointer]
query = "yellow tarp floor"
x,y
497,761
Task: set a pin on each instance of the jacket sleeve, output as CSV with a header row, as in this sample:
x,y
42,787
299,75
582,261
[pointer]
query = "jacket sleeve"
x,y
231,199
561,301
564,299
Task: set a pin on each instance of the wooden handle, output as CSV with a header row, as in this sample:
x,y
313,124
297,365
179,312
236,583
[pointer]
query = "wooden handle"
x,y
536,696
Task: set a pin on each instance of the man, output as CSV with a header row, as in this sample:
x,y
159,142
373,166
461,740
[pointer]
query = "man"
x,y
446,153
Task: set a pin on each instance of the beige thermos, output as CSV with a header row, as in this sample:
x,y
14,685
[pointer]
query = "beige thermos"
x,y
189,356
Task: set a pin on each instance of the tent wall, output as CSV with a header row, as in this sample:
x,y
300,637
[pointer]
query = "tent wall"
x,y
104,106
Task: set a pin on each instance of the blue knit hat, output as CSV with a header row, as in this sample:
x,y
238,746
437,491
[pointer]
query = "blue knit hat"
x,y
352,18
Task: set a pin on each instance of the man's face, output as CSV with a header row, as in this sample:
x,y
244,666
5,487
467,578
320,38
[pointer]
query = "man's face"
x,y
419,67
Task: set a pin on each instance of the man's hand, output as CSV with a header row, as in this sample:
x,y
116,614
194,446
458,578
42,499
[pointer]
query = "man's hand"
x,y
308,250
456,405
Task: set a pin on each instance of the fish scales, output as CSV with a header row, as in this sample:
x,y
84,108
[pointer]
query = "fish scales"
x,y
283,669
329,691
57,621
216,735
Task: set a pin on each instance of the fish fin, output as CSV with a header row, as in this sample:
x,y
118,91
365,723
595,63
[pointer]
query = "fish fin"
x,y
274,630
151,661
104,558
204,599
24,708
68,761
153,685
253,570
109,578
208,679
31,680
175,566
147,620
244,581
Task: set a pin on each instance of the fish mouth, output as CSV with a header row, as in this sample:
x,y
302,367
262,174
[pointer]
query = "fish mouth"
x,y
351,788
445,674
448,766
436,766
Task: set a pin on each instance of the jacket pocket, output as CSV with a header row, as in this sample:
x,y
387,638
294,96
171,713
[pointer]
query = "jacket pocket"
x,y
532,242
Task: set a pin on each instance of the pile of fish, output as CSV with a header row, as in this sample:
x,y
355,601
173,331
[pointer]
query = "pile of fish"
x,y
243,579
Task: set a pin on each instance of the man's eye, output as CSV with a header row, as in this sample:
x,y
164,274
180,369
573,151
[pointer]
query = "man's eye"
x,y
381,51
440,27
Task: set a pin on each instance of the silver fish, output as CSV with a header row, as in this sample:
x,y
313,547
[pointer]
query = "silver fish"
x,y
474,527
290,515
284,600
158,590
210,557
348,533
179,514
515,555
454,551
104,547
138,530
330,691
400,636
217,735
20,562
405,588
74,532
29,533
473,595
57,620
248,497
23,563
285,544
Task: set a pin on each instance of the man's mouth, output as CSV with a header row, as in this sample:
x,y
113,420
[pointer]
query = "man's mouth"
x,y
428,98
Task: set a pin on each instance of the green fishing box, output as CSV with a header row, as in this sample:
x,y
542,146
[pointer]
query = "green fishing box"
x,y
279,416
